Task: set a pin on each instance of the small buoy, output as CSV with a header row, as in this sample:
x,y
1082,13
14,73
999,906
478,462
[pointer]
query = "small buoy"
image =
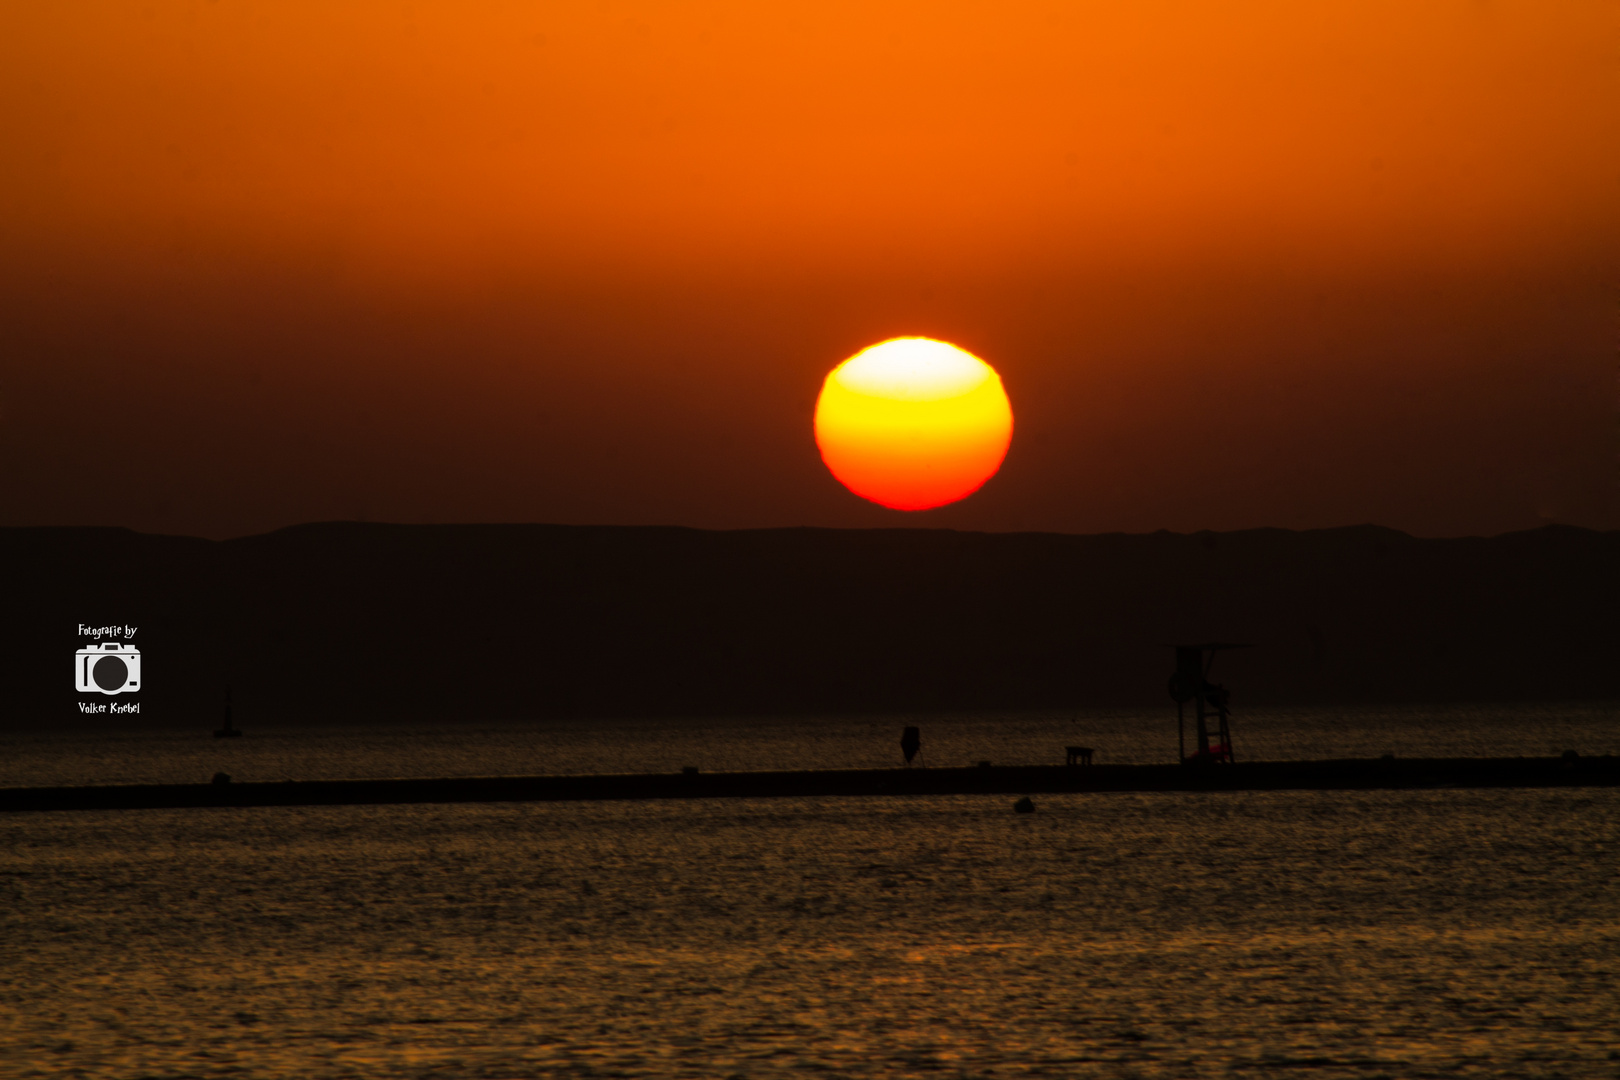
x,y
689,770
1024,805
221,778
984,764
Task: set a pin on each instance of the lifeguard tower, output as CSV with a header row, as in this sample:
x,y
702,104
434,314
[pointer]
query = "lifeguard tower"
x,y
1212,731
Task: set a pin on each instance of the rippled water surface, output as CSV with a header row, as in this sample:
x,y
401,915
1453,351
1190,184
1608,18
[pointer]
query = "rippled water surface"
x,y
147,754
1401,934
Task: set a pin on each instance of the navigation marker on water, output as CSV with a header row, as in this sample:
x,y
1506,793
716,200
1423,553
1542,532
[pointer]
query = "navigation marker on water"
x,y
227,732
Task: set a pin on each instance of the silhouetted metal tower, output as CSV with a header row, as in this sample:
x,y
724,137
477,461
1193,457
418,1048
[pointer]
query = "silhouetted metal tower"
x,y
1210,714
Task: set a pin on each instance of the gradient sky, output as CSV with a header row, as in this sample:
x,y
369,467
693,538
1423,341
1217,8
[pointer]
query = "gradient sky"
x,y
1239,265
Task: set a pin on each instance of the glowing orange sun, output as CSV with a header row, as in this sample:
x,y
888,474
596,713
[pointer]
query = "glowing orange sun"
x,y
913,423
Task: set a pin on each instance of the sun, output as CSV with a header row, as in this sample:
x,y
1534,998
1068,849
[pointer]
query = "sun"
x,y
913,423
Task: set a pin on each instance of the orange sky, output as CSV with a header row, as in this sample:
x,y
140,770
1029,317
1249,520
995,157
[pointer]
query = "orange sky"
x,y
590,262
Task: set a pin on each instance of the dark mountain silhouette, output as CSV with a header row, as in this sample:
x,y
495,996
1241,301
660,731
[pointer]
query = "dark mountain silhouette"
x,y
477,621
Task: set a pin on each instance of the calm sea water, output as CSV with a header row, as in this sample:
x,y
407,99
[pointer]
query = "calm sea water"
x,y
1400,934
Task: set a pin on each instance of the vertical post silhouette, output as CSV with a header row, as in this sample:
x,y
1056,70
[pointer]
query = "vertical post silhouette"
x,y
227,731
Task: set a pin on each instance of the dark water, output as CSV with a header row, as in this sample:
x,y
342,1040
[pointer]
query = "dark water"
x,y
1401,934
147,754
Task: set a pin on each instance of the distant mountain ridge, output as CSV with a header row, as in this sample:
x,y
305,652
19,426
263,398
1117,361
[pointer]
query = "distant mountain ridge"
x,y
371,621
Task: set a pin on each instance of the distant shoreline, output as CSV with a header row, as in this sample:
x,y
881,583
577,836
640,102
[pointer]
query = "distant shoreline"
x,y
357,622
1341,775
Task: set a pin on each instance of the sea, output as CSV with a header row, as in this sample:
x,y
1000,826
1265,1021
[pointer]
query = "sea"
x,y
1452,932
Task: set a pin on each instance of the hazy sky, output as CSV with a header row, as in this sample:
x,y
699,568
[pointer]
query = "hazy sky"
x,y
1238,265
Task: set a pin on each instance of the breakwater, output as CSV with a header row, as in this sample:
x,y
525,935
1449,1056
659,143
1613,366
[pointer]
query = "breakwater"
x,y
1355,774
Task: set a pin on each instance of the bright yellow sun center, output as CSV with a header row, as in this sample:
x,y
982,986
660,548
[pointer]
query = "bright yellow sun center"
x,y
913,423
